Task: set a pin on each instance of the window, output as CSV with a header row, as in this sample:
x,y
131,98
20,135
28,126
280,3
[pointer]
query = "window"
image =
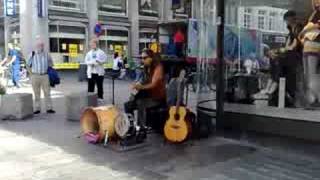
x,y
261,19
247,21
75,5
54,46
260,22
149,8
113,6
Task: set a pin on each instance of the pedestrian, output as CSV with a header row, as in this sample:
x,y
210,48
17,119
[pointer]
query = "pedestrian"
x,y
179,40
95,59
117,63
13,60
39,62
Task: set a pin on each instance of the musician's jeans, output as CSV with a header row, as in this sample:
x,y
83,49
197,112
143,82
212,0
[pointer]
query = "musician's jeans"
x,y
141,103
287,67
312,77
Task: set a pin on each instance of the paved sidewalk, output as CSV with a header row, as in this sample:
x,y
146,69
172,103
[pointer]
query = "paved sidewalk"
x,y
47,147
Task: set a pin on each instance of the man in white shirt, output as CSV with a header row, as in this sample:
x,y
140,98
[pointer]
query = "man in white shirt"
x,y
95,59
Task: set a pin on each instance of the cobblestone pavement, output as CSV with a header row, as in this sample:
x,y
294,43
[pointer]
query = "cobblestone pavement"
x,y
47,147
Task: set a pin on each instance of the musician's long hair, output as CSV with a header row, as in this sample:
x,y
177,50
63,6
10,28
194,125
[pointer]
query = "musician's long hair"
x,y
315,16
156,59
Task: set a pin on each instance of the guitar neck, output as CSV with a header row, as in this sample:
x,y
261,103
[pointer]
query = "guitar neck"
x,y
178,104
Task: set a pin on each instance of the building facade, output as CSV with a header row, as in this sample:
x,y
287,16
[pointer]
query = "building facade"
x,y
68,25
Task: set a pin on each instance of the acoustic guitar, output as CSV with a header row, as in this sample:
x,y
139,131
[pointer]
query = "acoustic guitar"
x,y
178,128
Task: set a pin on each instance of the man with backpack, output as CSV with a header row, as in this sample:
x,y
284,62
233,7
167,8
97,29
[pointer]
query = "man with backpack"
x,y
39,63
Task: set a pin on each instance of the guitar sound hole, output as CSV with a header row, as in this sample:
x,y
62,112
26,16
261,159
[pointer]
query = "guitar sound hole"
x,y
176,116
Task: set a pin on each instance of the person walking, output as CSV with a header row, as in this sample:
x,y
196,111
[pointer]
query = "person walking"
x,y
39,62
95,59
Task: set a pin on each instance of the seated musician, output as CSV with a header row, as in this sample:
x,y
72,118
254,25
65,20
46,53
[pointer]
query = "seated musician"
x,y
285,61
151,90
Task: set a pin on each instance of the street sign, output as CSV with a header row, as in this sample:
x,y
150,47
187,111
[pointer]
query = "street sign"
x,y
10,8
98,30
42,8
73,50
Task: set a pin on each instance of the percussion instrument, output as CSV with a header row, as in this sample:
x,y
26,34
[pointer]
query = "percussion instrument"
x,y
101,121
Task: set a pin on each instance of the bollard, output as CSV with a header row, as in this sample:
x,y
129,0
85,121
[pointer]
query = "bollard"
x,y
76,103
282,93
16,106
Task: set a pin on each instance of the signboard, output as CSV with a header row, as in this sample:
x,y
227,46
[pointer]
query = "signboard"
x,y
42,8
73,50
118,49
10,8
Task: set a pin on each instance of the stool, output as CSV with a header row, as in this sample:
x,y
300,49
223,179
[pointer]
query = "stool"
x,y
76,103
156,117
16,106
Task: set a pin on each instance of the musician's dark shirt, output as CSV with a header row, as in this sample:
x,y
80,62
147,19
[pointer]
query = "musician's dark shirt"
x,y
294,32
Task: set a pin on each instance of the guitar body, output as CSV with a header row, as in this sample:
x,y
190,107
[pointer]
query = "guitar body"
x,y
177,129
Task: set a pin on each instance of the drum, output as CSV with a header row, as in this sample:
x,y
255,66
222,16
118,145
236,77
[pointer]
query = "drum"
x,y
100,120
122,125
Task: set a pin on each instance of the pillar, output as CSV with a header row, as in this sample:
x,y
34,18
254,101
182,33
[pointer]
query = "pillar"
x,y
32,26
134,31
93,14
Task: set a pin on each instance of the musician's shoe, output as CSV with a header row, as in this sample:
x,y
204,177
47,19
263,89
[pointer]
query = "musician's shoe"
x,y
36,112
51,111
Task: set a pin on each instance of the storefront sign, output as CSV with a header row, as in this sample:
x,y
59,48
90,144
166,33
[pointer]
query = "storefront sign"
x,y
10,7
73,50
42,8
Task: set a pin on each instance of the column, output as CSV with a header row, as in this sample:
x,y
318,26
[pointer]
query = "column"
x,y
32,26
134,31
6,34
167,10
93,14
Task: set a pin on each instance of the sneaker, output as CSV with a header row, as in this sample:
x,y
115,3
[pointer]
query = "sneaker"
x,y
36,112
101,102
51,111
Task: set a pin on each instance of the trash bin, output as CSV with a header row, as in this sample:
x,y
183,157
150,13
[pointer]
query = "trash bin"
x,y
82,74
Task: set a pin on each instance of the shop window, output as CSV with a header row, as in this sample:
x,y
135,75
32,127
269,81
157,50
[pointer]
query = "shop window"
x,y
253,49
53,28
65,43
113,6
149,8
54,46
117,33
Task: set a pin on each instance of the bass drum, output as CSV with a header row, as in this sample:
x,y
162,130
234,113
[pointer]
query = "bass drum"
x,y
122,125
100,120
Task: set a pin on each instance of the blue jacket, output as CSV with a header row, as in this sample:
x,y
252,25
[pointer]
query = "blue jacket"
x,y
53,77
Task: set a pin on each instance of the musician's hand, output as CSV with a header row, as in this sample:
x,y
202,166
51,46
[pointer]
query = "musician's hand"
x,y
137,86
